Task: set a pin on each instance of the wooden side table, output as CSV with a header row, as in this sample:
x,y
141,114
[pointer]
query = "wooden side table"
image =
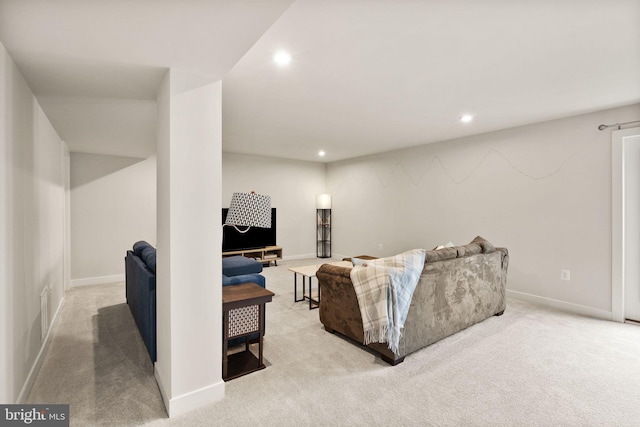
x,y
242,307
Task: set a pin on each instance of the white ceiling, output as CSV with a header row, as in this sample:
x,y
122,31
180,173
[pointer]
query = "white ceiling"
x,y
366,76
95,65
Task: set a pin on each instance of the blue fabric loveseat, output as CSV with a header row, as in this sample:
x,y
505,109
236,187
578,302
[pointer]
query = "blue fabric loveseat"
x,y
140,282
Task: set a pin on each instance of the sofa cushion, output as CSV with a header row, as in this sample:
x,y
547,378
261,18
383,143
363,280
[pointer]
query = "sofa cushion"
x,y
238,265
467,250
258,279
441,254
149,258
139,246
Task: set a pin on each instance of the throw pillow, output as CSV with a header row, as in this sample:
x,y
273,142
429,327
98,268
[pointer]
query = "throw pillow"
x,y
358,261
448,245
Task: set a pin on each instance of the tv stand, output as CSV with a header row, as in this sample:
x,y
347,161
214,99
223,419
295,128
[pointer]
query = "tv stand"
x,y
265,255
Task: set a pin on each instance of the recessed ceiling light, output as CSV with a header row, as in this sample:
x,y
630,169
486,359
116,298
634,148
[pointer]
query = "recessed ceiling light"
x,y
282,58
466,118
321,153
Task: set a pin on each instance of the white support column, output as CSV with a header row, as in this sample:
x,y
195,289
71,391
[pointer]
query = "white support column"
x,y
189,271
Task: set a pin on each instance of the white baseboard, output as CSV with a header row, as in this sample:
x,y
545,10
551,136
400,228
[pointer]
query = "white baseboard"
x,y
97,280
307,256
26,387
340,257
313,255
188,402
562,305
161,387
294,257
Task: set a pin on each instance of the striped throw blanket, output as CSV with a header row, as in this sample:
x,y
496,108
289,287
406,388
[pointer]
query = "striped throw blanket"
x,y
384,288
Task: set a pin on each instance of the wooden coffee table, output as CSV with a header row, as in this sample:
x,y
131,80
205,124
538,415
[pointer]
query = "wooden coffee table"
x,y
242,308
309,272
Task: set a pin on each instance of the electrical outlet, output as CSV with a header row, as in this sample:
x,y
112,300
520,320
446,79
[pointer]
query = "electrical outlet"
x,y
565,274
380,247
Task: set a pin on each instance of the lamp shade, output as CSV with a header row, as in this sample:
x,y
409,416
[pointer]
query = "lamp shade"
x,y
323,201
249,210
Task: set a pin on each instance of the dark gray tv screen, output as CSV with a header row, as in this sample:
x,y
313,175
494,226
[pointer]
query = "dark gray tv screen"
x,y
255,238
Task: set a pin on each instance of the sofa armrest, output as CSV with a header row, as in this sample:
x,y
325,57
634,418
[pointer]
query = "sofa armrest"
x,y
505,259
339,309
140,284
335,270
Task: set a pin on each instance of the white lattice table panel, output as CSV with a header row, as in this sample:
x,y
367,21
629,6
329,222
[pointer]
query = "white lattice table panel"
x,y
243,320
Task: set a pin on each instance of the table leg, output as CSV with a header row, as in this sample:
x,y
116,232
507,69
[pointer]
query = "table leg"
x,y
225,344
295,288
312,301
260,329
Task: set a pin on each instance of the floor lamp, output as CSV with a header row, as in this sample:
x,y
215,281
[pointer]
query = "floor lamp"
x,y
323,233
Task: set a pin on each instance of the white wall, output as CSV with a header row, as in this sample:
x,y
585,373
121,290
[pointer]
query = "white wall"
x,y
543,191
292,185
189,273
113,205
33,186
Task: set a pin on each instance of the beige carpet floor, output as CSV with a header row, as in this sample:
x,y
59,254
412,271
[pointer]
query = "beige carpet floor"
x,y
533,366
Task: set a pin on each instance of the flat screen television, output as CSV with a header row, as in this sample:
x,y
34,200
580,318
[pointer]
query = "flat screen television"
x,y
255,238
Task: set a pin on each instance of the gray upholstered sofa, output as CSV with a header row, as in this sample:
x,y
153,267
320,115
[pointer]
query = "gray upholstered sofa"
x,y
458,287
